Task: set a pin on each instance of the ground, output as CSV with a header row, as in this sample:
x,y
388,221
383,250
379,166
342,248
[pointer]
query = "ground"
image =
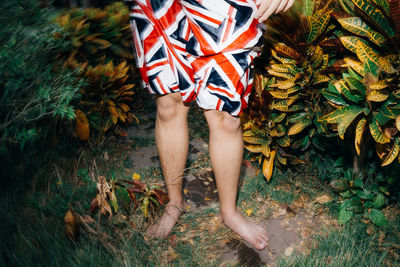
x,y
297,209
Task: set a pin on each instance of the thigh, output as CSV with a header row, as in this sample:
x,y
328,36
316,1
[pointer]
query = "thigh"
x,y
220,26
158,29
225,39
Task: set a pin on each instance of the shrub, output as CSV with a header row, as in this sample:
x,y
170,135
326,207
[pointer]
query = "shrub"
x,y
32,93
98,43
333,70
300,66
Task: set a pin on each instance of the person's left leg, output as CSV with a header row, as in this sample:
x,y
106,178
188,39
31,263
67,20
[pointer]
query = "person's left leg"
x,y
226,152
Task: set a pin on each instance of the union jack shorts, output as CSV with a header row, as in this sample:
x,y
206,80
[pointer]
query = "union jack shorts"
x,y
201,48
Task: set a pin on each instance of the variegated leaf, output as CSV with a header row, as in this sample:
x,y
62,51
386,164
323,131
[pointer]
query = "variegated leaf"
x,y
253,140
284,141
360,129
253,148
377,96
376,15
268,165
391,155
318,23
377,133
300,126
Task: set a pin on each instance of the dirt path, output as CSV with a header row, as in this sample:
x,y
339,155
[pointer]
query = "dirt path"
x,y
289,227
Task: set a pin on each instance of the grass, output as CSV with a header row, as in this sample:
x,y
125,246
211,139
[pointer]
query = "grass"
x,y
32,221
351,245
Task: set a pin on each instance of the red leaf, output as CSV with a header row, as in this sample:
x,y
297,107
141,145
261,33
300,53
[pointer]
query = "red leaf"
x,y
94,205
162,197
134,190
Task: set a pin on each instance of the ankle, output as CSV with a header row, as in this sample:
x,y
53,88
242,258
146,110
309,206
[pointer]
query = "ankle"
x,y
227,214
177,203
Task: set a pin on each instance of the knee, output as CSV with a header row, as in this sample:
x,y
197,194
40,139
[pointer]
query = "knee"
x,y
229,123
169,109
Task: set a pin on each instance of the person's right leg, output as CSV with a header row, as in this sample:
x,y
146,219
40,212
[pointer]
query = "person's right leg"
x,y
226,153
172,144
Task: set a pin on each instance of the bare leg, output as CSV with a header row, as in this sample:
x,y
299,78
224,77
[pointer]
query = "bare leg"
x,y
172,145
226,152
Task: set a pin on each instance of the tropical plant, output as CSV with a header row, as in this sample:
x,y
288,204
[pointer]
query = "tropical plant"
x,y
363,194
99,46
113,194
33,96
95,35
105,98
366,97
299,68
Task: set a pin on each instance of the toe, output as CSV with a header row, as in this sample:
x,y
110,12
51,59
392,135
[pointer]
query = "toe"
x,y
260,245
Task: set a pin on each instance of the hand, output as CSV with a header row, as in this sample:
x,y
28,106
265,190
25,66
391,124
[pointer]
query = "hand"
x,y
270,7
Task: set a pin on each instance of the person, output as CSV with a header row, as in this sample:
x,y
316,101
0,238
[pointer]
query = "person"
x,y
201,50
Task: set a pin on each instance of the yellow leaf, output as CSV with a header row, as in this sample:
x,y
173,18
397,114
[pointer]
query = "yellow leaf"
x,y
265,149
253,148
398,122
268,165
378,85
82,128
356,65
391,155
280,74
249,212
136,176
280,94
359,134
376,96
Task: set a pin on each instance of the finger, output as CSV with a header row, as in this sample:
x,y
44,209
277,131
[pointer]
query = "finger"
x,y
271,9
263,7
281,6
289,5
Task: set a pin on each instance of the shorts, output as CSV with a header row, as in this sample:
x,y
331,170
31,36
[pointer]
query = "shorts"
x,y
201,48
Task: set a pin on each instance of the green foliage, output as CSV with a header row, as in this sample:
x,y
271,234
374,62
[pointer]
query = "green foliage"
x,y
333,69
32,93
370,80
123,192
364,195
352,245
98,44
297,71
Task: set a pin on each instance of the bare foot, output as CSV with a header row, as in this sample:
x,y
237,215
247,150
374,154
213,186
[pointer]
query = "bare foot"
x,y
166,223
251,232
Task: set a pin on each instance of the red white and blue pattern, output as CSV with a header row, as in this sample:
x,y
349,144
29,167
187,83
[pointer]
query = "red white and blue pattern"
x,y
201,48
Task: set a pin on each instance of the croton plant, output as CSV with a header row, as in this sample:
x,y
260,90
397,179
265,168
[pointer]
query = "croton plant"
x,y
333,70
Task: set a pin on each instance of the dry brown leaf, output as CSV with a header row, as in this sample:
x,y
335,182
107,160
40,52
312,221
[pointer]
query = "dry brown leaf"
x,y
289,250
71,225
82,128
323,199
87,219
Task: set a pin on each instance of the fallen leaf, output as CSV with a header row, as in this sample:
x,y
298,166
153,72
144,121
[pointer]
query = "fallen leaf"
x,y
71,225
323,199
136,176
172,254
172,240
289,251
370,230
249,212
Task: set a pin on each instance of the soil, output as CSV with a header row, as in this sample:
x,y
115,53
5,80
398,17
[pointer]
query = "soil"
x,y
288,228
